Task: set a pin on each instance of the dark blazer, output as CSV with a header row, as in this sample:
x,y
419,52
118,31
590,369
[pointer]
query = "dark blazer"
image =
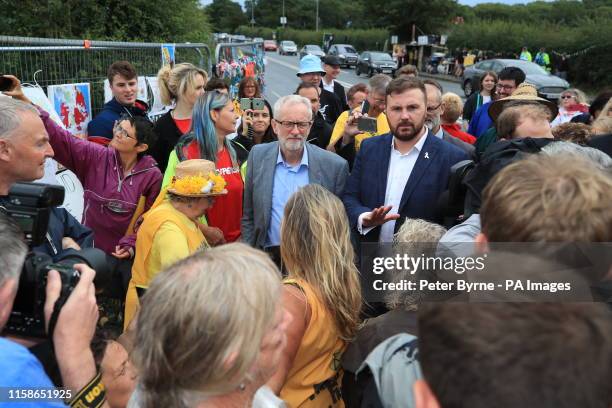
x,y
330,106
320,132
340,94
367,184
167,135
324,168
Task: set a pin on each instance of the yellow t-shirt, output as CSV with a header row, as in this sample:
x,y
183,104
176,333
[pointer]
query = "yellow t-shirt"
x,y
382,127
315,377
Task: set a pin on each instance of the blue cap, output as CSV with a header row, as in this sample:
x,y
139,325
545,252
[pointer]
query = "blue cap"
x,y
310,63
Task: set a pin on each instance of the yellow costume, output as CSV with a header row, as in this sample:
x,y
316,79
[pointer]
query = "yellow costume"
x,y
315,377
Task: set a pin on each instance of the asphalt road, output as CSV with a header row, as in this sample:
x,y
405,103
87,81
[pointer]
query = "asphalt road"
x,y
281,79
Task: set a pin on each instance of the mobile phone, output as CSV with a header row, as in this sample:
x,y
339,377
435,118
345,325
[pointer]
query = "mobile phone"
x,y
245,103
258,104
6,84
365,106
366,124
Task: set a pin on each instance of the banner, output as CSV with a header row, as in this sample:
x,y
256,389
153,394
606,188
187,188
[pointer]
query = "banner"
x,y
168,54
72,102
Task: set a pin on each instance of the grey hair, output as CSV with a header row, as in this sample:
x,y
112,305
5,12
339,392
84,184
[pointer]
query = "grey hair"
x,y
415,238
10,118
378,83
13,249
597,157
289,100
201,324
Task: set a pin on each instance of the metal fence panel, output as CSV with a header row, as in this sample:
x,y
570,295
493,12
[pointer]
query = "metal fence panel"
x,y
57,61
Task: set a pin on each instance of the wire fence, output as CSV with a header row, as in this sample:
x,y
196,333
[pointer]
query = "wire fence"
x,y
48,61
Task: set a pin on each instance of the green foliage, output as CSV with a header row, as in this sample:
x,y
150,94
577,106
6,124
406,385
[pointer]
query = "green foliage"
x,y
225,15
120,20
371,39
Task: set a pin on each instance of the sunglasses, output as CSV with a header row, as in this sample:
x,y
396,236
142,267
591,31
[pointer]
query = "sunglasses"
x,y
567,96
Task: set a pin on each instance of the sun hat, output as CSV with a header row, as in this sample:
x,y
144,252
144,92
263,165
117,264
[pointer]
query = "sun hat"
x,y
523,93
309,64
197,178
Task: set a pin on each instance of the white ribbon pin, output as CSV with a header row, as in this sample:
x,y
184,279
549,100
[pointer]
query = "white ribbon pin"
x,y
426,155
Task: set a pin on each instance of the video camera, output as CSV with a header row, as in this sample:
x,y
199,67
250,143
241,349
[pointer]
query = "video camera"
x,y
30,206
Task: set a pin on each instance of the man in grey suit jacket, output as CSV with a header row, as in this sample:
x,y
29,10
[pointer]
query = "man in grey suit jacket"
x,y
434,102
278,169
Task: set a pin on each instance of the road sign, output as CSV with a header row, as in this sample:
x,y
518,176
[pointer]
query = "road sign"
x,y
283,20
394,39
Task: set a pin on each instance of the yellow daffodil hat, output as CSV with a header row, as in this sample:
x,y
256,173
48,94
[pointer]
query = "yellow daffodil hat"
x,y
197,178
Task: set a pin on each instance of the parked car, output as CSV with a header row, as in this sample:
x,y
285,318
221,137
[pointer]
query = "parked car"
x,y
549,86
312,50
374,62
287,48
347,54
270,45
258,40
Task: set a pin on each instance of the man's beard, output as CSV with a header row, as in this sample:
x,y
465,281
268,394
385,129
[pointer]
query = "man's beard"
x,y
407,131
294,145
433,123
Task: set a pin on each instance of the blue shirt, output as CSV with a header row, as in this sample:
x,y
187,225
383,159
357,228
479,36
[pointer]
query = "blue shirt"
x,y
287,180
20,369
481,121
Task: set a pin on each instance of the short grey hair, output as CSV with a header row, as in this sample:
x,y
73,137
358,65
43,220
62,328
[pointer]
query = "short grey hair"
x,y
597,157
289,100
379,82
10,115
415,238
13,249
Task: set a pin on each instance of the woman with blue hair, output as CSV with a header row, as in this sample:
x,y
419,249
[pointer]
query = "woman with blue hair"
x,y
212,120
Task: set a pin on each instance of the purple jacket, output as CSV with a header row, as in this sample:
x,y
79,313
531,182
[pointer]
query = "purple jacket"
x,y
111,200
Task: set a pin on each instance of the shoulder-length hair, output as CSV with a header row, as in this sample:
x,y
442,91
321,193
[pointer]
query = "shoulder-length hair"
x,y
316,247
203,127
249,81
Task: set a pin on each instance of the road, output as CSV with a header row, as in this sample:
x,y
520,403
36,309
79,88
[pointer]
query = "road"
x,y
281,77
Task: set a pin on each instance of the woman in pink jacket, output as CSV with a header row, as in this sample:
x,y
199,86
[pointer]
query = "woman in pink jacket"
x,y
120,181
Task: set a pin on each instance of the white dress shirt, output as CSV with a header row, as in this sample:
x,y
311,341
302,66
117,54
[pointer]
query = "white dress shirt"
x,y
400,168
328,86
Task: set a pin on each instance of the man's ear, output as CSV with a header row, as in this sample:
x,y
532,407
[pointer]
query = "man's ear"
x,y
481,244
5,150
423,396
8,290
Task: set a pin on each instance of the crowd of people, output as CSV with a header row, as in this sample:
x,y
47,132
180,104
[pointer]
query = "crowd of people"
x,y
236,239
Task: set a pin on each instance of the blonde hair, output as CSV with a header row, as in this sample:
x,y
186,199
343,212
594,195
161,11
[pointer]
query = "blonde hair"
x,y
556,198
174,82
602,125
316,247
452,107
512,116
201,324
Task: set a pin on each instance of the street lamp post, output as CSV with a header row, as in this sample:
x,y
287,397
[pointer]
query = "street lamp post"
x,y
317,18
252,13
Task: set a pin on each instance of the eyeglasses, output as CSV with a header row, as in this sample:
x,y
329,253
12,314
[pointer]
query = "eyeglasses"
x,y
288,125
567,96
505,87
120,131
431,109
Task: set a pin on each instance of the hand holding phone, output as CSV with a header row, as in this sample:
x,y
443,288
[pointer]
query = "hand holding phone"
x,y
366,124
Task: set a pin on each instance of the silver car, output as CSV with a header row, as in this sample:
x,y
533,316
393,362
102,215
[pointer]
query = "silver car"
x,y
549,86
311,49
287,48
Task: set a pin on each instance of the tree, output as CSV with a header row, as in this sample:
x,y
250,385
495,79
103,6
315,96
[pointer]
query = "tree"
x,y
225,15
121,20
431,16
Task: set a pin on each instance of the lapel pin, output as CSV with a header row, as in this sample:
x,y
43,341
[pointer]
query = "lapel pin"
x,y
426,155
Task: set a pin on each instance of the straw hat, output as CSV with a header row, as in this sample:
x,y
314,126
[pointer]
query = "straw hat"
x,y
523,93
197,178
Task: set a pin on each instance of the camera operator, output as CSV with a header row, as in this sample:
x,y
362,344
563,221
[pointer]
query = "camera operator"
x,y
73,331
